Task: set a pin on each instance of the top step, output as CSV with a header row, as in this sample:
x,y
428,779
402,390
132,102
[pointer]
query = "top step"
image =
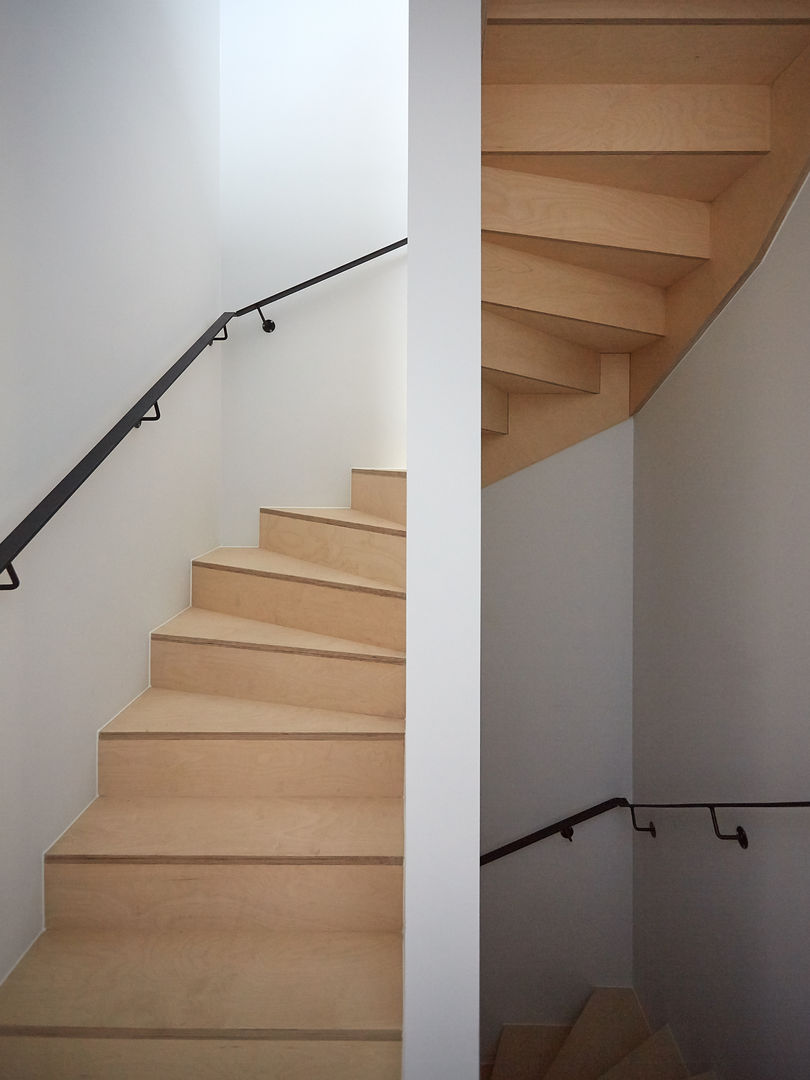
x,y
380,492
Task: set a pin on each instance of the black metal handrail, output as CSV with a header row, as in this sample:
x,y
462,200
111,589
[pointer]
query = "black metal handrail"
x,y
565,827
19,537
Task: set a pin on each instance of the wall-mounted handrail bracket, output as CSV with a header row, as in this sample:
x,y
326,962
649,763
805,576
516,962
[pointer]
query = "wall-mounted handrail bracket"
x,y
567,833
642,828
13,582
267,324
220,337
739,835
149,419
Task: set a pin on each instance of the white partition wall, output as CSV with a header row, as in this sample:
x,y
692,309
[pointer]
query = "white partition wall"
x,y
441,813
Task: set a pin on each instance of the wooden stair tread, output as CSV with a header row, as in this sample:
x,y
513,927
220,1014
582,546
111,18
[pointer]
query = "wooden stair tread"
x,y
255,560
199,626
662,11
175,713
254,983
525,1051
657,1058
339,515
610,1026
218,828
598,337
521,359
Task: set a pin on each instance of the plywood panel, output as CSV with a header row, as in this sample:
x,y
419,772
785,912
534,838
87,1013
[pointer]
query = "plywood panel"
x,y
668,53
346,539
519,280
625,119
519,203
525,1051
655,10
202,1059
360,613
512,349
658,1058
207,982
688,176
220,828
249,767
381,492
542,426
744,219
608,1028
237,897
494,409
593,336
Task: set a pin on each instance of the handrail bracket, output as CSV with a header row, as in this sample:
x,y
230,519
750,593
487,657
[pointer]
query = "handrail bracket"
x,y
13,582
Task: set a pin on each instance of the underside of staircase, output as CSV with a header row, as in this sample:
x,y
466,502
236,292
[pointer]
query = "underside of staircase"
x,y
638,156
610,1040
231,903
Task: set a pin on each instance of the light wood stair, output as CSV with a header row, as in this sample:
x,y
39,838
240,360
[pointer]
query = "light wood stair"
x,y
610,1040
231,903
637,159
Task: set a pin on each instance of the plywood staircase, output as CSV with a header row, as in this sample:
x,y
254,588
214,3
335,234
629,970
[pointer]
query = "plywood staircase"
x,y
638,156
231,903
610,1040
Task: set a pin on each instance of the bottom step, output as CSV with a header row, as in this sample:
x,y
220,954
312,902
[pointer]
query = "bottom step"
x,y
196,1059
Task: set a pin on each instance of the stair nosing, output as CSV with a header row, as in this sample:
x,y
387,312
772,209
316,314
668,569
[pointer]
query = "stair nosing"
x,y
322,519
393,591
260,736
232,860
345,1034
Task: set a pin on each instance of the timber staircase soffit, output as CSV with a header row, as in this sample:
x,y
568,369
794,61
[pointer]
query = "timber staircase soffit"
x,y
637,159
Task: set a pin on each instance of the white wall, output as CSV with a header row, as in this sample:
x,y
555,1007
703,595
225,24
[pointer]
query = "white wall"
x,y
722,694
108,196
314,174
444,351
557,561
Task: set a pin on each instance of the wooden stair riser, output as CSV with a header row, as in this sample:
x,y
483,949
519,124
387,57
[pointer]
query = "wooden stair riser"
x,y
521,281
369,553
380,492
200,1059
202,982
324,682
223,896
527,360
526,1051
610,1026
251,768
592,214
658,1058
494,409
662,11
375,618
611,118
642,53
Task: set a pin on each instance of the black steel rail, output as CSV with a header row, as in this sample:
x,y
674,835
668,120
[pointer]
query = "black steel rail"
x,y
565,827
19,537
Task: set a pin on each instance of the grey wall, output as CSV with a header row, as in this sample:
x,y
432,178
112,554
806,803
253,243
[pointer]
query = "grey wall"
x,y
722,702
109,269
556,730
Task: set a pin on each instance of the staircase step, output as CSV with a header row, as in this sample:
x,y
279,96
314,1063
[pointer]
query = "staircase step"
x,y
701,177
523,360
206,983
203,1059
230,895
593,214
611,118
494,409
610,1026
642,53
617,310
525,1051
340,537
381,492
272,587
189,830
173,714
208,652
658,1058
